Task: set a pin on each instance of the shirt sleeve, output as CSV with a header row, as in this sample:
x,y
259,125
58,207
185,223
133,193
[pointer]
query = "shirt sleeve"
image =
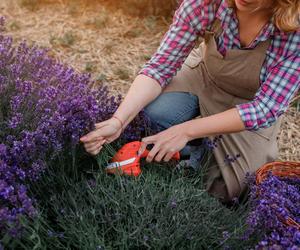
x,y
274,95
189,22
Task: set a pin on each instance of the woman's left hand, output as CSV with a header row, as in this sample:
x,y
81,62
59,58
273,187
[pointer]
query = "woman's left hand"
x,y
166,143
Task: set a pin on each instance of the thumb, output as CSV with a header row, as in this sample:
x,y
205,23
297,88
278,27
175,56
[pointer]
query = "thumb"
x,y
145,141
142,148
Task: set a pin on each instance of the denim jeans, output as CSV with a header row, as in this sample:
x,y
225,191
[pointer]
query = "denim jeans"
x,y
173,108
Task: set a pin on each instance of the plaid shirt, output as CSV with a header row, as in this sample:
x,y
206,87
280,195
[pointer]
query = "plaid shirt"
x,y
279,76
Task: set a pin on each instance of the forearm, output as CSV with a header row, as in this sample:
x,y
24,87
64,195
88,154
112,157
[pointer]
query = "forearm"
x,y
223,123
142,91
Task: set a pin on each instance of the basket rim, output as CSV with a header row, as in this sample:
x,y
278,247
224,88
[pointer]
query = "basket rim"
x,y
287,169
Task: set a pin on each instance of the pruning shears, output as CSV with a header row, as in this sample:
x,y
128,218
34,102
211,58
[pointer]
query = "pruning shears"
x,y
127,161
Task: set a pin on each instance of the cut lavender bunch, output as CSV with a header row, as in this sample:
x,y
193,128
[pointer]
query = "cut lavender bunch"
x,y
272,202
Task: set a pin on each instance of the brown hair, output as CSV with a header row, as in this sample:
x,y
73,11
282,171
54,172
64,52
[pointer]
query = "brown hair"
x,y
286,15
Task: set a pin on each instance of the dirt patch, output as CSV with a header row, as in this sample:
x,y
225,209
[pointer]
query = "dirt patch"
x,y
97,37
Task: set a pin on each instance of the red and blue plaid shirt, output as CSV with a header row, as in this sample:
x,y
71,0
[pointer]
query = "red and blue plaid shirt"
x,y
280,73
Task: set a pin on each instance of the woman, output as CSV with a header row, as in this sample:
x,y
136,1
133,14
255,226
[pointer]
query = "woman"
x,y
240,80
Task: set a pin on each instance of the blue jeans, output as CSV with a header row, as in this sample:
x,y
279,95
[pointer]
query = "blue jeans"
x,y
173,108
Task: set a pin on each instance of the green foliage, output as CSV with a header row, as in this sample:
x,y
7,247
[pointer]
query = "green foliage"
x,y
81,207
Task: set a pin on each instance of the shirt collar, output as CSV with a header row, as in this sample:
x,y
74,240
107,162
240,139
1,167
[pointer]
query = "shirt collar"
x,y
229,22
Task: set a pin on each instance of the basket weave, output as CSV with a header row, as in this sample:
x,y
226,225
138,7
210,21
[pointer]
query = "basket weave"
x,y
281,169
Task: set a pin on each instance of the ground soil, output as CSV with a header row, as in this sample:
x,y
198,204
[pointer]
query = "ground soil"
x,y
97,37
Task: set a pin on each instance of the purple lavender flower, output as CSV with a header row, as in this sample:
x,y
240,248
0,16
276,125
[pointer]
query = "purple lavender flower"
x,y
225,234
231,159
92,183
173,203
45,108
15,121
212,144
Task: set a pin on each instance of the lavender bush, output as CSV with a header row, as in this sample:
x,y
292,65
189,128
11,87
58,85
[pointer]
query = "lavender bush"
x,y
45,107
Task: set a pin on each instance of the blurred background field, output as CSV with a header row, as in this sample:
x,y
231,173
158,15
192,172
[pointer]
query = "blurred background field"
x,y
110,39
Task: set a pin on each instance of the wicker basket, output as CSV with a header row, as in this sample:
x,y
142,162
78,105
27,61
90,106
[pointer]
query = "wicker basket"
x,y
281,169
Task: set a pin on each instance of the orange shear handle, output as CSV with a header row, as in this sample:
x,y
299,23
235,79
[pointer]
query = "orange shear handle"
x,y
128,151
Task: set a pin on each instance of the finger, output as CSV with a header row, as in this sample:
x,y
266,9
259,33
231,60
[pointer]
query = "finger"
x,y
92,136
150,139
142,148
94,146
91,143
160,154
144,143
95,152
112,138
153,152
168,156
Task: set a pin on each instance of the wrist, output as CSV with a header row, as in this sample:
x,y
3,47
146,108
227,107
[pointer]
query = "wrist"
x,y
119,121
124,119
189,130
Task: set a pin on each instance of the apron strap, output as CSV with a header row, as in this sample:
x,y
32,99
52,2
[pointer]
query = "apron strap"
x,y
215,30
216,27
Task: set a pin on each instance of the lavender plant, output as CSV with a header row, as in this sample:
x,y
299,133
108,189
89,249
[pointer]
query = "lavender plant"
x,y
45,107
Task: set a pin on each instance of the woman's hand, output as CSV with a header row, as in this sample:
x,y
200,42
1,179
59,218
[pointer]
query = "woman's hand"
x,y
106,131
166,143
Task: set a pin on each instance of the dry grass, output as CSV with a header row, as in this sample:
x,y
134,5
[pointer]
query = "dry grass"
x,y
90,37
97,37
146,7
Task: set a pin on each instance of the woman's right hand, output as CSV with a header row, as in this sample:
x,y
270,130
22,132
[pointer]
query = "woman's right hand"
x,y
143,90
105,132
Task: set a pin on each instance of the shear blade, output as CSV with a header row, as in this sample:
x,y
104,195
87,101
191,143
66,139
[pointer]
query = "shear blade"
x,y
120,163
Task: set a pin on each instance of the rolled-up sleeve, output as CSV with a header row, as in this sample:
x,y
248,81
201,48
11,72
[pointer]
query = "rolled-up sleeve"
x,y
274,95
189,22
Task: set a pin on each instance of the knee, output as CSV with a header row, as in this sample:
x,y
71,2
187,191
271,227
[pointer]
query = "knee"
x,y
155,115
172,108
153,112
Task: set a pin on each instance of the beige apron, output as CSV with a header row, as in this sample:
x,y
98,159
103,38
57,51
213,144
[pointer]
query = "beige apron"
x,y
220,83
